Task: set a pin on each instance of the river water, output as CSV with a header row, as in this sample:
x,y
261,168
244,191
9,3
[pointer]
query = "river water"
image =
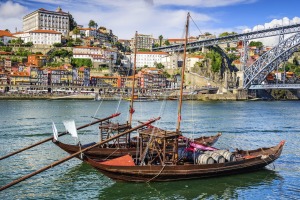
x,y
244,125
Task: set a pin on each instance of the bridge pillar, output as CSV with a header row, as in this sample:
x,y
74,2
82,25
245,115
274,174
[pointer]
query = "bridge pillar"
x,y
244,59
245,54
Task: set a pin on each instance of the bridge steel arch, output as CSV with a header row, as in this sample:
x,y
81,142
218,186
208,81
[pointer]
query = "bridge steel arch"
x,y
256,73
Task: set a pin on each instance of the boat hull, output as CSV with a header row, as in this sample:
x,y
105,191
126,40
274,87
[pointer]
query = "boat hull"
x,y
258,160
102,153
97,153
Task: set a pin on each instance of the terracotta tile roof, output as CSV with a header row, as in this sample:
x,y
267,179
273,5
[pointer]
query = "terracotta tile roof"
x,y
196,56
176,40
44,31
5,53
86,29
236,62
16,33
5,33
20,74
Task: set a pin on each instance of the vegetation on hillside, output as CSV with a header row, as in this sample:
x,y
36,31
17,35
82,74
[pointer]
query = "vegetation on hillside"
x,y
79,62
216,60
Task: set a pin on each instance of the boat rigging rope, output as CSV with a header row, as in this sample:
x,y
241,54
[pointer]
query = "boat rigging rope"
x,y
84,132
112,153
163,167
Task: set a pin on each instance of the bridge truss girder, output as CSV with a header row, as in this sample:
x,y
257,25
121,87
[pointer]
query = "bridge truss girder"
x,y
277,31
256,73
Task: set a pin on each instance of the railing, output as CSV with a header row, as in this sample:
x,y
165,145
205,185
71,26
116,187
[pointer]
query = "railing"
x,y
275,86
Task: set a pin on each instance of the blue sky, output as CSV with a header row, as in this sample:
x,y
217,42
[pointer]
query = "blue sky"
x,y
160,17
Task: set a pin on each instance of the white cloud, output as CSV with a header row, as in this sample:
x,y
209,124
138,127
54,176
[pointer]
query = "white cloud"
x,y
272,41
11,15
124,20
11,10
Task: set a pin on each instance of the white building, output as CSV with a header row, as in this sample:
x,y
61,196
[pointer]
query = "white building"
x,y
42,19
25,36
96,54
192,60
45,37
148,58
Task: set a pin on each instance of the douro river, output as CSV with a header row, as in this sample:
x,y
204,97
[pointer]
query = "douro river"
x,y
244,125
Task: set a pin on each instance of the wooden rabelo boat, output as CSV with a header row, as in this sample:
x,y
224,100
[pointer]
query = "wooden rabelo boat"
x,y
164,168
163,159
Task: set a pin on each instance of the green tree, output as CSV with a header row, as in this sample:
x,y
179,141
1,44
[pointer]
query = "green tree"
x,y
70,44
166,74
159,65
160,40
227,34
256,44
232,57
29,44
92,23
57,44
72,22
76,32
167,43
78,41
79,62
216,61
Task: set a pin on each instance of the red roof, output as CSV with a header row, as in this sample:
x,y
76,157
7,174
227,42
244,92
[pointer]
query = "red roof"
x,y
197,56
5,33
20,74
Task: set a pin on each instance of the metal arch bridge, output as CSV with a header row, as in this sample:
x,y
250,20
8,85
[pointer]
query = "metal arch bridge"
x,y
281,30
255,74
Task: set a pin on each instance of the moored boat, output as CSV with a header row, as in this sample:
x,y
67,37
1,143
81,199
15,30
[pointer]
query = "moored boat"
x,y
125,168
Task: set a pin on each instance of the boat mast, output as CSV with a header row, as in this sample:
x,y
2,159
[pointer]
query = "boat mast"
x,y
182,74
131,110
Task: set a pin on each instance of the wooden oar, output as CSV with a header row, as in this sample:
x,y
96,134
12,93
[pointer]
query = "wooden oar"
x,y
75,154
61,134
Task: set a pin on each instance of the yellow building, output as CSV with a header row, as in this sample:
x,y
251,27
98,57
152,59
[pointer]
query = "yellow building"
x,y
20,78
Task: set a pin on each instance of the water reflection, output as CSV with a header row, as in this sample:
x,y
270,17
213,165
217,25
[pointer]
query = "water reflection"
x,y
214,188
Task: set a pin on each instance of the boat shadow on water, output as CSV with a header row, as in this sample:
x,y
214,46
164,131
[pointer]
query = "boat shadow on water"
x,y
228,187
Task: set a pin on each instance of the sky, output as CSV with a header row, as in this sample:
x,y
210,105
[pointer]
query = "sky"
x,y
160,17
